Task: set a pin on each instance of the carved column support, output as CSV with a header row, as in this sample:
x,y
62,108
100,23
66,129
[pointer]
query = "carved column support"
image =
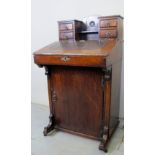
x,y
47,70
106,108
40,66
103,144
52,100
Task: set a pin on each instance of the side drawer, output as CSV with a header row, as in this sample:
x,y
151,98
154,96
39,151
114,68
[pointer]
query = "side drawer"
x,y
108,33
108,23
65,26
66,35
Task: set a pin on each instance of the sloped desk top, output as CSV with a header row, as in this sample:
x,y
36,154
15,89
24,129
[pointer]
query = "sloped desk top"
x,y
77,48
75,53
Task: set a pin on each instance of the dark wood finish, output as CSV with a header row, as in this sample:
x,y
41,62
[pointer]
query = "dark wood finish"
x,y
65,26
110,27
108,33
84,77
66,35
91,28
108,23
92,61
51,96
69,29
73,104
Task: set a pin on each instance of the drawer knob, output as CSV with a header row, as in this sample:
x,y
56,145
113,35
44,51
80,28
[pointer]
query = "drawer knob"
x,y
65,58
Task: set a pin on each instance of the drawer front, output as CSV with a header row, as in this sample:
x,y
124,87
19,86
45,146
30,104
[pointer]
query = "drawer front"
x,y
66,35
108,23
92,61
65,26
108,33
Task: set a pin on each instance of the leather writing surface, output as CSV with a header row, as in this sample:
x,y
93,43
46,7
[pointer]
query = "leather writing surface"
x,y
78,48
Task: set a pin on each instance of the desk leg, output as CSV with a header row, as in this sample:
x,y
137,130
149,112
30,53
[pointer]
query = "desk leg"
x,y
52,100
107,100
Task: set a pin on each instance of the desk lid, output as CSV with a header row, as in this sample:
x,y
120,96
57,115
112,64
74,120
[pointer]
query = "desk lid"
x,y
79,48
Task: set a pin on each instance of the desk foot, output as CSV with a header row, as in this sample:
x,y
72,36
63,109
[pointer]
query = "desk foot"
x,y
50,126
103,146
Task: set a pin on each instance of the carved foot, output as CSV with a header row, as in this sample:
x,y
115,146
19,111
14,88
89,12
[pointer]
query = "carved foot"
x,y
103,146
50,126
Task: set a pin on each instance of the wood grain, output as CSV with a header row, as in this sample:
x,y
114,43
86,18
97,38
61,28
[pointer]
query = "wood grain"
x,y
84,77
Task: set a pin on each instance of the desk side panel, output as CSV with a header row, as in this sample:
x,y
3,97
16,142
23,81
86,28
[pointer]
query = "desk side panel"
x,y
115,94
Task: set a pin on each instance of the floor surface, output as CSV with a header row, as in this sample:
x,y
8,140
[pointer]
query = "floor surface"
x,y
60,143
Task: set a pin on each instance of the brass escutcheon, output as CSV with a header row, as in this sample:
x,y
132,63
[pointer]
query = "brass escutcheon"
x,y
65,58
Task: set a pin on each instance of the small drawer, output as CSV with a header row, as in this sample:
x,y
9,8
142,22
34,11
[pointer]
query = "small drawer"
x,y
66,35
65,26
108,23
108,33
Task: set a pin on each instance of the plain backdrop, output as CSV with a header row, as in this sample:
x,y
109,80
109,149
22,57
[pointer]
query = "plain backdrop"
x,y
44,17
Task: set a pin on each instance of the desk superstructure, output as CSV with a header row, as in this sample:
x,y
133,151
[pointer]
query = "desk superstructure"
x,y
83,72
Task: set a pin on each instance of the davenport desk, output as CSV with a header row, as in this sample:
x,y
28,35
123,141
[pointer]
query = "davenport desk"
x,y
83,72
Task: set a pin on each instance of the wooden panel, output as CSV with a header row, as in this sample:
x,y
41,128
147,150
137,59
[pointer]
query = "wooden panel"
x,y
115,94
94,61
65,26
79,99
108,33
66,35
108,23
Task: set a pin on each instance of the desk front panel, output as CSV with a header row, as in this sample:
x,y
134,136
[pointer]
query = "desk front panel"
x,y
70,60
79,99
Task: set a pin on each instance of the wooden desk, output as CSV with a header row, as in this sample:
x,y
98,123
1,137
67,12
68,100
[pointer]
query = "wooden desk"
x,y
83,86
